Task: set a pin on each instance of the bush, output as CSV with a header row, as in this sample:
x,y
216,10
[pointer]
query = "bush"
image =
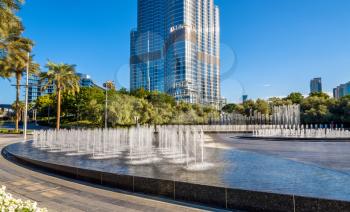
x,y
80,124
8,203
10,131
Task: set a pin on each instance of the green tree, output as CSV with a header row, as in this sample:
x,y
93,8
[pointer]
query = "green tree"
x,y
320,95
340,110
315,108
262,106
10,24
159,99
15,62
86,101
295,97
229,108
248,107
140,93
275,101
63,77
42,103
19,108
123,91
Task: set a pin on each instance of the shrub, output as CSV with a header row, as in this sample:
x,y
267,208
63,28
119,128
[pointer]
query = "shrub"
x,y
8,203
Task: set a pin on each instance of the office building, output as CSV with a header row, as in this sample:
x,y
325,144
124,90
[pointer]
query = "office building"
x,y
35,87
176,49
316,85
85,80
244,98
341,90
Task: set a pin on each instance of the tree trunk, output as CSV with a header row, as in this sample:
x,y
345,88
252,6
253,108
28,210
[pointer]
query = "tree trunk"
x,y
18,91
58,117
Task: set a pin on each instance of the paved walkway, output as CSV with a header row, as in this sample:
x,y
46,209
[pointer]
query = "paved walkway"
x,y
59,194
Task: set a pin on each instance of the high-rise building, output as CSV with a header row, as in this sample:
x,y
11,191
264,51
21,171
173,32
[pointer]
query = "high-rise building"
x,y
316,85
244,98
176,49
341,90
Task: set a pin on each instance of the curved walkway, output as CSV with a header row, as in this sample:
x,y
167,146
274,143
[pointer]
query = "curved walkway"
x,y
61,194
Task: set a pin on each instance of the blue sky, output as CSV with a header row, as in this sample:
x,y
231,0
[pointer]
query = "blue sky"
x,y
269,47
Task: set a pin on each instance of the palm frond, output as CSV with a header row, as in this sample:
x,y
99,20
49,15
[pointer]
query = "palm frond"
x,y
62,76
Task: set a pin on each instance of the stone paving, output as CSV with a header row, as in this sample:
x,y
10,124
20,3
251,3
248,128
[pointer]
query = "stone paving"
x,y
60,194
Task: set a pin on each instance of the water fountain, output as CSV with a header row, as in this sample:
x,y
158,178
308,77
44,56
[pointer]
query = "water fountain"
x,y
174,158
303,131
286,115
137,145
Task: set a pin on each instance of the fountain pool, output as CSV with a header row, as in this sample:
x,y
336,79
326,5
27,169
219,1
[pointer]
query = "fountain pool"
x,y
220,161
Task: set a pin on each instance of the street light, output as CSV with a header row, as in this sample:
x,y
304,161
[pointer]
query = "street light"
x,y
136,120
107,85
26,100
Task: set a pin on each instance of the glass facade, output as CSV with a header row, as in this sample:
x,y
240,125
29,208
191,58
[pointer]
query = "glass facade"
x,y
341,90
35,87
176,49
316,85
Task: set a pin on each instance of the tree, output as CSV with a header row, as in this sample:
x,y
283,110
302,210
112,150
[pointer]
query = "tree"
x,y
262,106
159,99
140,93
229,108
320,95
9,23
295,97
84,106
248,107
275,101
19,108
123,91
64,79
10,27
15,63
13,47
340,110
315,108
43,103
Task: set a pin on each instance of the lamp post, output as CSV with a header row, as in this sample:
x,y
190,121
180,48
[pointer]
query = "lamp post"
x,y
26,100
107,85
136,120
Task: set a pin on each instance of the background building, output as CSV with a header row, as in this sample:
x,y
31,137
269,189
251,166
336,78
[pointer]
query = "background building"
x,y
85,80
316,85
176,49
35,87
244,98
341,90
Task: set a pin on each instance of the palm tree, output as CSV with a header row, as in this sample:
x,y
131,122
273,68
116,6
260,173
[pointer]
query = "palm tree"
x,y
64,79
9,23
18,106
14,48
15,62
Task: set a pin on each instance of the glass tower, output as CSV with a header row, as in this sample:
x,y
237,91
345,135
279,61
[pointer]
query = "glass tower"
x,y
176,49
316,85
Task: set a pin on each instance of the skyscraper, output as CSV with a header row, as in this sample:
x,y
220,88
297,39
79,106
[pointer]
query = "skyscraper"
x,y
316,85
244,98
176,49
341,90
